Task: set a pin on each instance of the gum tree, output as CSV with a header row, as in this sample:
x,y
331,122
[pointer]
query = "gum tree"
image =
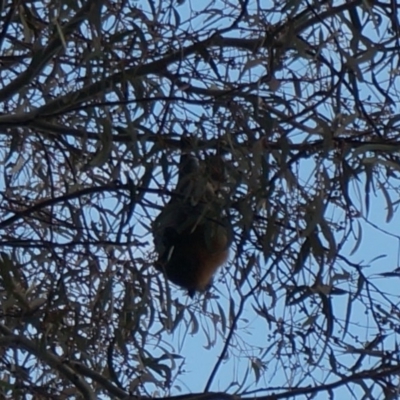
x,y
99,99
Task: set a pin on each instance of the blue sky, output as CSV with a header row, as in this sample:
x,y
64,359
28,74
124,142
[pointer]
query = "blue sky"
x,y
254,339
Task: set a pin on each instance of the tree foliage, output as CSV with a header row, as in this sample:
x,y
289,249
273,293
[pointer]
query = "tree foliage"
x,y
301,99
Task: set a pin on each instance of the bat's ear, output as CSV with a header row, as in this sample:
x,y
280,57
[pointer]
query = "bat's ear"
x,y
216,168
188,172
